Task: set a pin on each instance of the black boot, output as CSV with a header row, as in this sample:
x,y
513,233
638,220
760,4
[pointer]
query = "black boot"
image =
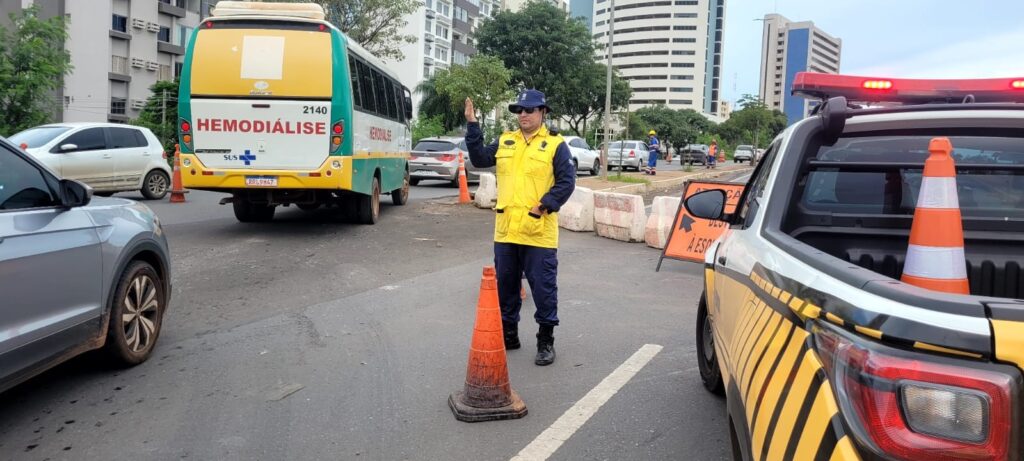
x,y
545,345
511,335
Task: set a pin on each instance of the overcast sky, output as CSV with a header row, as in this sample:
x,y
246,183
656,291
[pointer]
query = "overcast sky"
x,y
893,38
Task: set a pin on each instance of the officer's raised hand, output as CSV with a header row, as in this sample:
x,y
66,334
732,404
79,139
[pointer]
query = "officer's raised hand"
x,y
470,111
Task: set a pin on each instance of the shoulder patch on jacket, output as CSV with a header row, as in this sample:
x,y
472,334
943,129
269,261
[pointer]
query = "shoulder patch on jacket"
x,y
510,142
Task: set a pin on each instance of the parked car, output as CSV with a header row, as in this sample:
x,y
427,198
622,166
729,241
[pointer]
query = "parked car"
x,y
585,158
744,153
76,273
627,154
107,157
438,158
694,153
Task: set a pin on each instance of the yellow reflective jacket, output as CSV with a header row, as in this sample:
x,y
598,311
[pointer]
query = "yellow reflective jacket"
x,y
540,172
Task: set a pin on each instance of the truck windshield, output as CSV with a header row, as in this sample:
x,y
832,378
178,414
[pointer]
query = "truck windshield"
x,y
882,175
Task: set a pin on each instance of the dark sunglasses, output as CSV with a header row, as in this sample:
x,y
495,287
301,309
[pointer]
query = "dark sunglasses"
x,y
528,110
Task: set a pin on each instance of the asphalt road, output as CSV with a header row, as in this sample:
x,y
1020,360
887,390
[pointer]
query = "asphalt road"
x,y
308,339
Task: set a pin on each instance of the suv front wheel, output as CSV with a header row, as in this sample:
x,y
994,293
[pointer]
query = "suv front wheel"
x,y
136,314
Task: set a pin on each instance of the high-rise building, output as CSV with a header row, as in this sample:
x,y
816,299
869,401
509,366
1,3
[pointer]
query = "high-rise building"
x,y
516,5
669,51
787,48
118,48
445,31
582,9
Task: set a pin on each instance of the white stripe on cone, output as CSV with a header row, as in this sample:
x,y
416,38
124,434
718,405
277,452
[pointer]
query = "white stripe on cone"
x,y
935,262
938,193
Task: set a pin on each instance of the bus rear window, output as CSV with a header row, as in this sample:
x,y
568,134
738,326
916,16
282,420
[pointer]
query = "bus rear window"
x,y
879,175
271,62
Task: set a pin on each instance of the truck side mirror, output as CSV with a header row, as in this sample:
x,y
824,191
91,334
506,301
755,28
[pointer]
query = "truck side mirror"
x,y
709,204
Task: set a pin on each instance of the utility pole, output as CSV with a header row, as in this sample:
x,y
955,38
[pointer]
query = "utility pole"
x,y
163,110
608,94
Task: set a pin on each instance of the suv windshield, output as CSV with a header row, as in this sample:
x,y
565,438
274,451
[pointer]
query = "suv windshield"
x,y
882,175
744,147
433,146
35,137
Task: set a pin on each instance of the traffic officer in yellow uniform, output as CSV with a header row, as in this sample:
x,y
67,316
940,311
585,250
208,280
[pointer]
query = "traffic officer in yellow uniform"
x,y
535,176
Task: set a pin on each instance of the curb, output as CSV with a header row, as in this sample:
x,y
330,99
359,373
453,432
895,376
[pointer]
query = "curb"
x,y
639,189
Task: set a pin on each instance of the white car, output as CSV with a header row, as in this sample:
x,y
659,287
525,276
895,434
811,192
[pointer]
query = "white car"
x,y
585,158
108,157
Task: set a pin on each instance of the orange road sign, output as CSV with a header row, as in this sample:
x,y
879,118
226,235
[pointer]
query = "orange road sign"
x,y
690,237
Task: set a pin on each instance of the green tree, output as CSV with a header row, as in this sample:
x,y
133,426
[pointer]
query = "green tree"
x,y
540,45
33,63
582,96
427,127
754,124
485,79
436,104
160,114
376,25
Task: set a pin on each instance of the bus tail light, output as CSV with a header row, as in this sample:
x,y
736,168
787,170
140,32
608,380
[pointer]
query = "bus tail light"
x,y
1017,84
185,130
337,135
907,407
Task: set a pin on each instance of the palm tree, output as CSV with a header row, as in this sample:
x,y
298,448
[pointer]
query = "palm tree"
x,y
433,103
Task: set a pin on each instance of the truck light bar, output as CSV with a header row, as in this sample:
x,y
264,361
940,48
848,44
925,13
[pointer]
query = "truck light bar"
x,y
907,91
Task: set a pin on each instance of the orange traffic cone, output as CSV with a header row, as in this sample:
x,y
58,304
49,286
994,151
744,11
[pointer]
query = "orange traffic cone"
x,y
935,256
463,185
177,192
487,395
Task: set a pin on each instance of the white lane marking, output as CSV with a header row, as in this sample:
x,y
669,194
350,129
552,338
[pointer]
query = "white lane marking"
x,y
551,439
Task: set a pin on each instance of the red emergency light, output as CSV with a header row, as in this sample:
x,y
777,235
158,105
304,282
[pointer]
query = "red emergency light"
x,y
907,91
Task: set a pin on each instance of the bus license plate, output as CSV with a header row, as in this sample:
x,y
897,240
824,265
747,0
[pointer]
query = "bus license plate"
x,y
261,181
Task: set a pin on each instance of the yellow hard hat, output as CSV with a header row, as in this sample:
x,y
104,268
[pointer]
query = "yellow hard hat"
x,y
651,132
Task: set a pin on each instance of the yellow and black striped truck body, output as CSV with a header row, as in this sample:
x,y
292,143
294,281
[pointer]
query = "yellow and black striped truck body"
x,y
820,351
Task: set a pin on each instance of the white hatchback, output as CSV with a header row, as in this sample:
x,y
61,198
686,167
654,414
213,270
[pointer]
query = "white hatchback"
x,y
585,158
108,157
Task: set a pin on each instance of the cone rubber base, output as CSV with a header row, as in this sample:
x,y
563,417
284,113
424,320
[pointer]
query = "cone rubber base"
x,y
463,412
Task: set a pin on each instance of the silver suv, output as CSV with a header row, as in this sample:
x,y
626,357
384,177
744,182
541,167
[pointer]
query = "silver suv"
x,y
76,273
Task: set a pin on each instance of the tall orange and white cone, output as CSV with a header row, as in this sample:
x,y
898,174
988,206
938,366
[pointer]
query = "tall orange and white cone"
x,y
463,184
487,394
935,256
177,191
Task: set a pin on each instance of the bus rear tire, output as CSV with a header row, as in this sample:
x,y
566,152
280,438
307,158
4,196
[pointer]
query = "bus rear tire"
x,y
400,196
369,205
246,211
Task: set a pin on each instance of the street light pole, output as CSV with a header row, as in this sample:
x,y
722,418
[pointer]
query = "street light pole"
x,y
608,94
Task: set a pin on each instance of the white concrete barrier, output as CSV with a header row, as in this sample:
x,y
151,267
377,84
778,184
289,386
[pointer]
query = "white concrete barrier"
x,y
487,192
659,223
578,213
619,216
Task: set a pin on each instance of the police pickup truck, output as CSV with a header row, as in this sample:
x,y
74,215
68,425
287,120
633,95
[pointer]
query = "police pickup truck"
x,y
804,326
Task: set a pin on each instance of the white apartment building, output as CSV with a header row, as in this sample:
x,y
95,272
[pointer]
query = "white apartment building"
x,y
787,48
516,5
670,51
445,31
118,48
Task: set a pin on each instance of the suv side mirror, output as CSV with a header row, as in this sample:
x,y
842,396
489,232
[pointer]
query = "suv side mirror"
x,y
68,147
74,194
709,204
